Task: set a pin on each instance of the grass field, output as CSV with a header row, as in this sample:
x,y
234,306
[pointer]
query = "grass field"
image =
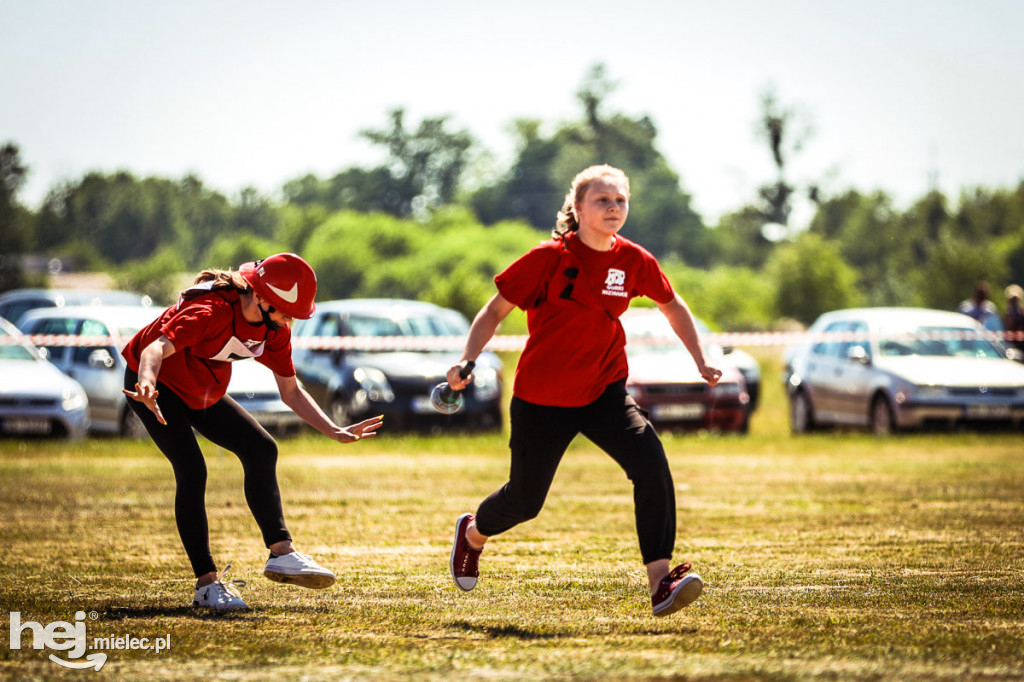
x,y
837,556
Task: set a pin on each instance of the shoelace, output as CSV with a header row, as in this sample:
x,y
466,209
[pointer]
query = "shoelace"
x,y
230,586
678,572
470,557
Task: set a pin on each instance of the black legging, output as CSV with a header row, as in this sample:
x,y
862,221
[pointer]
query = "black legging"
x,y
540,436
229,426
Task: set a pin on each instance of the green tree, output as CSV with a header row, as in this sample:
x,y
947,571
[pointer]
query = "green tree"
x,y
661,217
811,278
230,251
423,167
868,231
15,221
126,219
160,276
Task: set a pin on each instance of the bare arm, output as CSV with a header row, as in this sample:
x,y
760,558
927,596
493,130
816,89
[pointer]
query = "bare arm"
x,y
681,319
150,360
296,397
480,332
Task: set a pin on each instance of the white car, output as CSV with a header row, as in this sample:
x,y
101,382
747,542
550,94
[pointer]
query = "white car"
x,y
900,368
100,369
36,399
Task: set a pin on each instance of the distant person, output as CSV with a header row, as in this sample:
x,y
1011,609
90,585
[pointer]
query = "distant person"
x,y
982,309
177,377
571,379
1014,317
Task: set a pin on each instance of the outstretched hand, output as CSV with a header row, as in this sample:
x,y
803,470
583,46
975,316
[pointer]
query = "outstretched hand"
x,y
147,395
364,429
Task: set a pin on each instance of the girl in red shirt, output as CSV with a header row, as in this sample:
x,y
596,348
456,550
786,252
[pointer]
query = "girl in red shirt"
x,y
177,378
571,378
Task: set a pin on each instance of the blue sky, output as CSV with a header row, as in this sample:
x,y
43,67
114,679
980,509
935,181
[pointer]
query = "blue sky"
x,y
257,93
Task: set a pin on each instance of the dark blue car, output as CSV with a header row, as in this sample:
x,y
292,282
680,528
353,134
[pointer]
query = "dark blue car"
x,y
409,346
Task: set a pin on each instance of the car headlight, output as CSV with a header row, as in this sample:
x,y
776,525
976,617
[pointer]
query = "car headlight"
x,y
72,400
374,384
487,386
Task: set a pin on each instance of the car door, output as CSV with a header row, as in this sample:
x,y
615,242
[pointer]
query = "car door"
x,y
823,370
96,369
317,367
853,377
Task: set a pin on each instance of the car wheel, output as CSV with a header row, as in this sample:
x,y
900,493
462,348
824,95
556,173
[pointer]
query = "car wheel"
x,y
744,428
801,416
340,413
882,422
131,425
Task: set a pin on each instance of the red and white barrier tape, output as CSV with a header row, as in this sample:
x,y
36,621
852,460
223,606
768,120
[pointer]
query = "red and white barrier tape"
x,y
516,343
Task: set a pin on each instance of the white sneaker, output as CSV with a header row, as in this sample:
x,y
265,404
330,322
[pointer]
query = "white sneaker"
x,y
221,595
299,569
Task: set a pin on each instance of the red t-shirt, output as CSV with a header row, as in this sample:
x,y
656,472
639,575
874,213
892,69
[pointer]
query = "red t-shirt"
x,y
573,297
209,333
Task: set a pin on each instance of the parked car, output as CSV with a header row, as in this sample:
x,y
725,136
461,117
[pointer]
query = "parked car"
x,y
17,302
36,399
663,379
354,384
253,387
900,368
100,369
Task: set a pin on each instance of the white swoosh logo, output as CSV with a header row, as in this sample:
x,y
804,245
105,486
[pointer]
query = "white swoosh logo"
x,y
291,295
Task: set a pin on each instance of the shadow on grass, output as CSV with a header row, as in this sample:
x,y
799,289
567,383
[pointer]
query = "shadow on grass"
x,y
529,634
129,612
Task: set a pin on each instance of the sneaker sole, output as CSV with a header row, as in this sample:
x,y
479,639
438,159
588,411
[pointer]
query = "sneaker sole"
x,y
687,592
310,580
451,559
197,605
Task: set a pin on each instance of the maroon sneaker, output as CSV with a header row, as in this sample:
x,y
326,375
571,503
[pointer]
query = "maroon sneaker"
x,y
676,590
464,559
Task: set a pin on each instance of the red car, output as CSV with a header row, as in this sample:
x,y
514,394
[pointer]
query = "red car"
x,y
664,380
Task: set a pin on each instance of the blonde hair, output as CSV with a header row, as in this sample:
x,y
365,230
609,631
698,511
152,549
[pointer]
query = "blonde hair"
x,y
567,220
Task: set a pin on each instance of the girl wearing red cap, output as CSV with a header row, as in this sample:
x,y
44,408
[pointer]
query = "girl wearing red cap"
x,y
571,379
178,372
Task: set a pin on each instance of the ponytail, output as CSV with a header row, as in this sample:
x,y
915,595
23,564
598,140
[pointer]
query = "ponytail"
x,y
217,279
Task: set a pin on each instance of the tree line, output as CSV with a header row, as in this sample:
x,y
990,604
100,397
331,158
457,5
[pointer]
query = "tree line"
x,y
428,223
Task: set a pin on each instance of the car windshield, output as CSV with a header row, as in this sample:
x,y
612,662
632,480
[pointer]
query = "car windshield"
x,y
937,342
653,332
14,351
415,325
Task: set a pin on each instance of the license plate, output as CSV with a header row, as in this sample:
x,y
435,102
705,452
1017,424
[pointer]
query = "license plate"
x,y
421,404
691,411
39,426
988,412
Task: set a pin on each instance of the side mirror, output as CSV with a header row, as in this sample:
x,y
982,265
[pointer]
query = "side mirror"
x,y
858,354
101,359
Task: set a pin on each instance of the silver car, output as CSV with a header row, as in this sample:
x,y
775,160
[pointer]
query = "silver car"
x,y
17,302
100,368
36,399
901,368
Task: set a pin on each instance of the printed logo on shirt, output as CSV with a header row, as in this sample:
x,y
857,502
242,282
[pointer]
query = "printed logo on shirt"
x,y
615,283
236,349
